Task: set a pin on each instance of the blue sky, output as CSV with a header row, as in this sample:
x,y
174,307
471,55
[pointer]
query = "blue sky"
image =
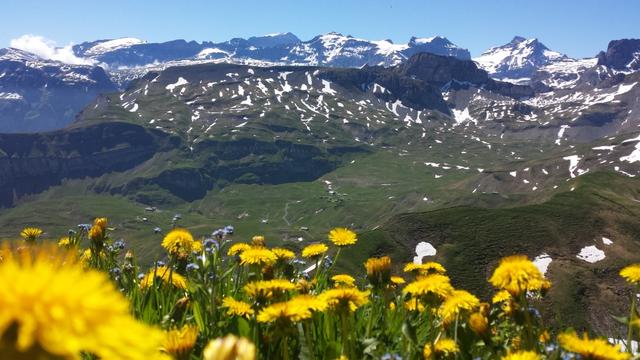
x,y
578,28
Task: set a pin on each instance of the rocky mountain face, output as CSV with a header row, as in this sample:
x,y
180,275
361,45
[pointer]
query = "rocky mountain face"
x,y
39,95
623,55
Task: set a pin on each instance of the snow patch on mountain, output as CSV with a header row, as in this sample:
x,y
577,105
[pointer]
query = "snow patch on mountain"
x,y
112,45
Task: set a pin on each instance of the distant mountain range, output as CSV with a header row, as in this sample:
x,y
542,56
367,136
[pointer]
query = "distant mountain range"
x,y
42,94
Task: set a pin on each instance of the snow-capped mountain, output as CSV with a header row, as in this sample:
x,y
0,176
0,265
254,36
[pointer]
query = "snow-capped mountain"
x,y
331,49
38,94
518,59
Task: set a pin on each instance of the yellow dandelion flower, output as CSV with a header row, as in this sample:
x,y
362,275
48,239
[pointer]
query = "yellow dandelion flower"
x,y
522,355
238,248
64,241
342,237
501,296
478,323
631,274
288,311
305,286
436,284
598,349
100,222
544,337
31,234
425,269
236,307
314,250
258,241
55,308
343,280
517,274
313,303
414,304
443,348
180,243
167,275
398,280
283,254
378,270
265,289
345,299
230,348
257,256
180,342
457,302
97,233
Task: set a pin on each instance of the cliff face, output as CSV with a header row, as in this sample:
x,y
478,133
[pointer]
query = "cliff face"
x,y
31,163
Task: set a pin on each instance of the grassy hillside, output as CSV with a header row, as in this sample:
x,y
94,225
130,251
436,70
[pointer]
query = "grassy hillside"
x,y
470,241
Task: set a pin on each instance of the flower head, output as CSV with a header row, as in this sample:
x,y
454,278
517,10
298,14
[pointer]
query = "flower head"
x,y
431,285
180,342
237,308
425,269
100,222
631,274
596,349
167,275
288,311
283,254
180,243
266,289
238,248
343,280
398,280
457,302
378,270
55,308
230,347
478,323
443,348
31,234
314,250
344,298
258,241
522,355
517,274
257,256
64,241
342,237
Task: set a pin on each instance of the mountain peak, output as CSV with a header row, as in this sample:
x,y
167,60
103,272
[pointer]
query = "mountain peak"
x,y
517,40
518,59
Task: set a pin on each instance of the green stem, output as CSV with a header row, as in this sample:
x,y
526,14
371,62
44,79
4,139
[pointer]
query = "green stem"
x,y
632,315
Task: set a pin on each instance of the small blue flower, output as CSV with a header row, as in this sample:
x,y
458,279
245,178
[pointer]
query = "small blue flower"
x,y
160,263
192,267
140,276
85,227
119,244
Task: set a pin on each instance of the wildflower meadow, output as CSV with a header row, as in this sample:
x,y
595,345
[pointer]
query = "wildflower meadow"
x,y
87,297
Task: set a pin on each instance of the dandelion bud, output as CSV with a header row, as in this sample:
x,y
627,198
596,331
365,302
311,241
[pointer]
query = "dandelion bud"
x,y
478,323
230,348
258,241
378,270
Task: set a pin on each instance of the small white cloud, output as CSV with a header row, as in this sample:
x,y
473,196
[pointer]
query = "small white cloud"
x,y
47,49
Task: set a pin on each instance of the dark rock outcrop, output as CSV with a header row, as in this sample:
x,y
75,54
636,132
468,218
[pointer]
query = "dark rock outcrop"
x,y
621,54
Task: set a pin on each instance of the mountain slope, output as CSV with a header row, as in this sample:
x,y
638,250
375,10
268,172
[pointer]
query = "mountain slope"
x,y
38,94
